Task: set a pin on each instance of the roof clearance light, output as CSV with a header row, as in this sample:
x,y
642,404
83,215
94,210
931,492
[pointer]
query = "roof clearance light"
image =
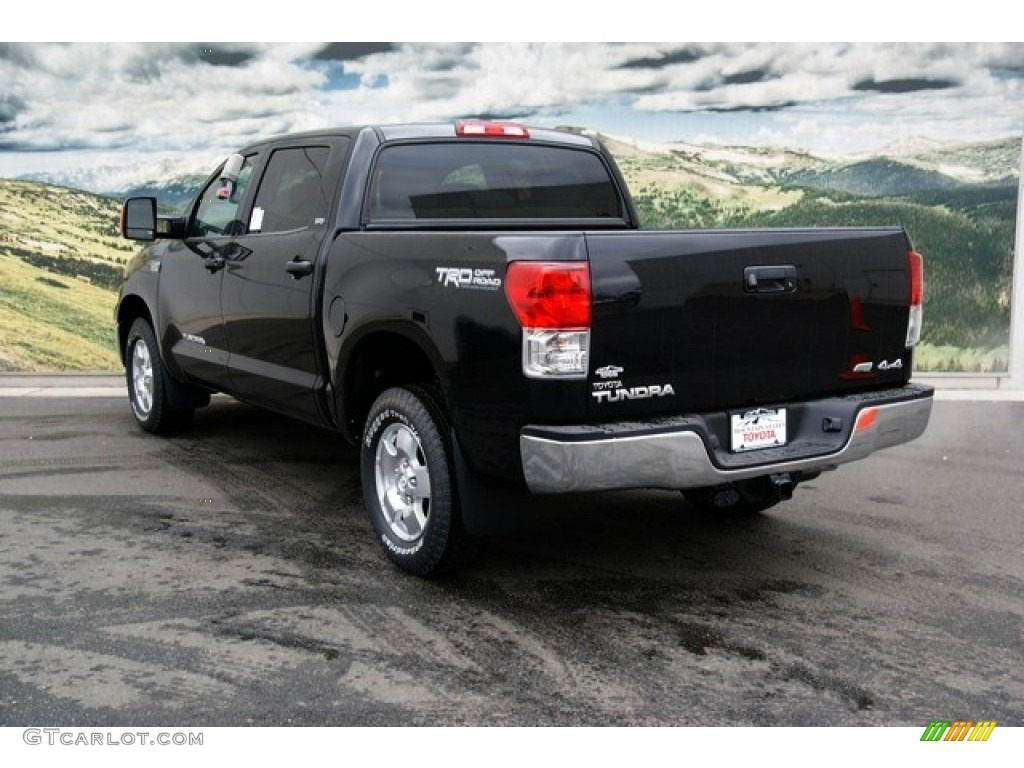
x,y
491,128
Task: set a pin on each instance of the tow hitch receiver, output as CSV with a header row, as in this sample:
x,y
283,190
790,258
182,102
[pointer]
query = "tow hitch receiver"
x,y
782,486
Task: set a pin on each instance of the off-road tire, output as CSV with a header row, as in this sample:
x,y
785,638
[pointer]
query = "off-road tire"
x,y
149,384
409,482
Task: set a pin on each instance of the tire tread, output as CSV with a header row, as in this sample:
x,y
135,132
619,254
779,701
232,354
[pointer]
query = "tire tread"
x,y
164,418
447,544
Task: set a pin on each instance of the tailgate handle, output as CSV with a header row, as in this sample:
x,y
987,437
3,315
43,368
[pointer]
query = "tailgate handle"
x,y
773,279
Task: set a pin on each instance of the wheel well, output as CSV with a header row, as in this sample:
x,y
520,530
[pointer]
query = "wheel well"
x,y
380,361
132,308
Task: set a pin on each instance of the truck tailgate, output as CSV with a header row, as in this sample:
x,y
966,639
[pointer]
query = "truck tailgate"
x,y
691,321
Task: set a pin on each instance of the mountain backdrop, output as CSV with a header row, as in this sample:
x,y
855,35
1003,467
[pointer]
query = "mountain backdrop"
x,y
61,258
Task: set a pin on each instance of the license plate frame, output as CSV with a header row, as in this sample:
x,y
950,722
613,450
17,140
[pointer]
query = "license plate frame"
x,y
758,429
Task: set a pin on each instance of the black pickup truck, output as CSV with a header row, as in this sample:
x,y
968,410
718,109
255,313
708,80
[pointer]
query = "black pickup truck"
x,y
472,305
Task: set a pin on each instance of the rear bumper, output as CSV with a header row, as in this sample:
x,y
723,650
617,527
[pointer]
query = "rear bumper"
x,y
685,452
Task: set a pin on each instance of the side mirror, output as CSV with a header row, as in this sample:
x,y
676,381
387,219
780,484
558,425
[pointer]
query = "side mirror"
x,y
138,218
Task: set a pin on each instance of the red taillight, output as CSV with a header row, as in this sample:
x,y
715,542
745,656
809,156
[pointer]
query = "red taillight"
x,y
916,266
916,278
492,128
553,295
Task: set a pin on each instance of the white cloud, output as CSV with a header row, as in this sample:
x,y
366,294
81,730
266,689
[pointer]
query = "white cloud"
x,y
175,97
152,96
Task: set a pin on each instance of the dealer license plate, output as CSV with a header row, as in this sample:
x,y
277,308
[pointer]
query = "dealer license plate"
x,y
760,428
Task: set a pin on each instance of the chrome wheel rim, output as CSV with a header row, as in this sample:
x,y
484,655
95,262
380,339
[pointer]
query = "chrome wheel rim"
x,y
142,379
403,482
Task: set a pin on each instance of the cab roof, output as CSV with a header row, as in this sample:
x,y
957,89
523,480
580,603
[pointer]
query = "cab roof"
x,y
407,131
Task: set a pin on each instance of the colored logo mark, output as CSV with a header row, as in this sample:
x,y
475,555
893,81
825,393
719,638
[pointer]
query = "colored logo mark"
x,y
958,730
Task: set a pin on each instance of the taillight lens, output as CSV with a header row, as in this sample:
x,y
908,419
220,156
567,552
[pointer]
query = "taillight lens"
x,y
916,267
546,294
551,301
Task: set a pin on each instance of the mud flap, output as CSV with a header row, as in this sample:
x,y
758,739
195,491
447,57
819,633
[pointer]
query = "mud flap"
x,y
183,397
489,507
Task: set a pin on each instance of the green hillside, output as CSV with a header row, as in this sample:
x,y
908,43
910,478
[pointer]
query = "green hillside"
x,y
61,260
872,177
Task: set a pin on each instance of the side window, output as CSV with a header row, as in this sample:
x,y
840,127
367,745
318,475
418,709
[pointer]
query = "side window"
x,y
293,192
218,216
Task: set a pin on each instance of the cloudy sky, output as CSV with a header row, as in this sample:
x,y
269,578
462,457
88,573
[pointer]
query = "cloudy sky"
x,y
78,105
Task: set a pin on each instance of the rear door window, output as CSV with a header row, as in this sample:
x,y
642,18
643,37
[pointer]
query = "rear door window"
x,y
293,193
482,180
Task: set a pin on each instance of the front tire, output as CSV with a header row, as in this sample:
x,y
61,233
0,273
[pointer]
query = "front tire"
x,y
408,482
149,383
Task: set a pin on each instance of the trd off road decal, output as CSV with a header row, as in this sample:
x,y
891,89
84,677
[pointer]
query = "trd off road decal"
x,y
464,277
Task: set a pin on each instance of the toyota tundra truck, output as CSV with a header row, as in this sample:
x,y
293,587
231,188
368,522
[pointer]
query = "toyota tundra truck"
x,y
473,306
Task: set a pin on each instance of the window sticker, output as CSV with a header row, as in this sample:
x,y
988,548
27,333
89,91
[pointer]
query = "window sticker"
x,y
256,221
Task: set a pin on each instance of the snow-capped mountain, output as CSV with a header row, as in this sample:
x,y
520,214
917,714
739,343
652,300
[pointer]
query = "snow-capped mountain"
x,y
171,180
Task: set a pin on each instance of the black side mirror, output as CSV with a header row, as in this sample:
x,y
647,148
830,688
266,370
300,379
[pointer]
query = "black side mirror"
x,y
138,218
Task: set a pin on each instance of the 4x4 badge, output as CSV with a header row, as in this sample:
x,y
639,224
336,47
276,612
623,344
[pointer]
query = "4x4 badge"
x,y
885,365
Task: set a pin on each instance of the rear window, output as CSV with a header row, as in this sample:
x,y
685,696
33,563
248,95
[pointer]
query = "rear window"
x,y
482,180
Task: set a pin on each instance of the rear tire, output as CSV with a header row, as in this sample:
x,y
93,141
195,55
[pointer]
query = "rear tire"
x,y
149,384
409,483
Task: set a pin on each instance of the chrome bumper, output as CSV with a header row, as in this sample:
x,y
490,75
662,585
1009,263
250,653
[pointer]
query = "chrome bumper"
x,y
681,459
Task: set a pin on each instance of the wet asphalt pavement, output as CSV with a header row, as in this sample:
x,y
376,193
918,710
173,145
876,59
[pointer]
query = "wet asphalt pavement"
x,y
230,577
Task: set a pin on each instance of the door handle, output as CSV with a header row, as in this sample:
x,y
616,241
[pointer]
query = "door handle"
x,y
769,279
214,264
298,267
